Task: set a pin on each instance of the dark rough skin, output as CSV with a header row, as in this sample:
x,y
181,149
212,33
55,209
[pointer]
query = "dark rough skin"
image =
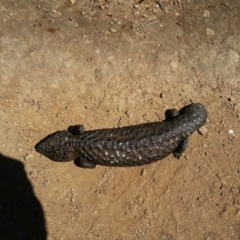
x,y
126,146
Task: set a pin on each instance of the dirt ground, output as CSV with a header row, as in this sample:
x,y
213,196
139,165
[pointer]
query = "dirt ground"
x,y
115,63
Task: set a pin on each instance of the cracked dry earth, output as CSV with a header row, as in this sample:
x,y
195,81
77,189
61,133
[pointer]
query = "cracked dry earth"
x,y
116,63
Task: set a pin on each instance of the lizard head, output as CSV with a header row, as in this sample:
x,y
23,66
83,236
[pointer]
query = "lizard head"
x,y
59,146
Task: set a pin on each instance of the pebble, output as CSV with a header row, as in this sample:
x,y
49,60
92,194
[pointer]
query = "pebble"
x,y
58,13
238,213
128,113
140,200
230,131
152,17
206,14
32,173
112,30
27,156
203,130
98,192
143,172
210,32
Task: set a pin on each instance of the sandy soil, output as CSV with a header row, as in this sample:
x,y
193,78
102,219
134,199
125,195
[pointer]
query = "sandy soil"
x,y
116,63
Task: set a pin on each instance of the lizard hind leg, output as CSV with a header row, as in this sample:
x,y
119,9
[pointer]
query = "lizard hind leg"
x,y
180,148
170,114
84,163
76,129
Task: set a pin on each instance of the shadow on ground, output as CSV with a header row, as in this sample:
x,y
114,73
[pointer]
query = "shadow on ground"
x,y
21,214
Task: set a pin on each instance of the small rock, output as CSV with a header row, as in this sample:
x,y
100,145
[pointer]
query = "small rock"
x,y
238,213
203,130
27,156
58,13
112,30
230,131
98,192
206,13
210,32
140,200
143,172
128,113
152,17
33,173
